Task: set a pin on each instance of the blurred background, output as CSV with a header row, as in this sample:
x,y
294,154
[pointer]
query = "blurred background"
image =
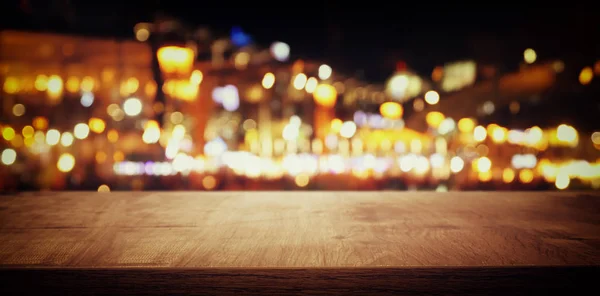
x,y
327,95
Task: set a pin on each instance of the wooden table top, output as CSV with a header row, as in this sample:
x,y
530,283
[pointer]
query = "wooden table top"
x,y
299,229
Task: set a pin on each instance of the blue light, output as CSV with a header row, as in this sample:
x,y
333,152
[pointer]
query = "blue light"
x,y
239,38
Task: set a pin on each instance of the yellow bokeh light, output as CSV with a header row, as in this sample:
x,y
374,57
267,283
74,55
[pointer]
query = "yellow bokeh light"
x,y
55,85
196,77
112,136
508,175
73,84
8,133
27,131
268,80
175,59
434,118
65,163
484,164
325,95
100,157
336,125
529,55
302,180
391,110
96,125
466,125
526,176
586,75
41,82
11,85
118,156
103,188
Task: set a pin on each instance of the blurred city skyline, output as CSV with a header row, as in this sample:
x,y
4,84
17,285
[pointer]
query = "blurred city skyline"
x,y
164,95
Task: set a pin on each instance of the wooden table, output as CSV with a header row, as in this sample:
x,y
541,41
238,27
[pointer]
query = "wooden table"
x,y
467,243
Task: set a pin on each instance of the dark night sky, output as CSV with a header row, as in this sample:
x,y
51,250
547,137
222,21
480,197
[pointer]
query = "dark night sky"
x,y
367,35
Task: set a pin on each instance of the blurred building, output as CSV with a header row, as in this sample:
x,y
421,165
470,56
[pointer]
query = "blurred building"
x,y
80,112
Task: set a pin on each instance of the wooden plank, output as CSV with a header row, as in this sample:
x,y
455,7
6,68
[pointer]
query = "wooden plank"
x,y
299,229
300,242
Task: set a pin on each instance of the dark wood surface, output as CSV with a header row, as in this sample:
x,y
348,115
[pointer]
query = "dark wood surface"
x,y
299,242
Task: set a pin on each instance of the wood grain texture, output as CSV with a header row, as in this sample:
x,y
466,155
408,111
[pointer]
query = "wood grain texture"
x,y
299,229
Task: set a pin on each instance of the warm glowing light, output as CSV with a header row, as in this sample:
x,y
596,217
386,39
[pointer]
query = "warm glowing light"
x,y
586,75
41,82
567,134
196,77
132,106
40,123
456,164
508,175
418,105
391,110
55,86
484,164
241,60
96,125
437,74
65,163
27,131
562,181
434,119
9,156
87,84
142,31
529,56
103,188
466,125
66,139
479,133
302,180
52,137
300,81
209,182
325,72
112,136
325,95
432,97
268,80
526,176
175,59
151,132
18,110
11,85
311,85
348,129
499,134
8,133
81,131
336,125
